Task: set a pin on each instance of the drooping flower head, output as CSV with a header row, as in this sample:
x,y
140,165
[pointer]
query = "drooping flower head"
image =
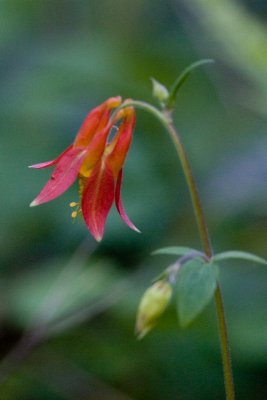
x,y
97,163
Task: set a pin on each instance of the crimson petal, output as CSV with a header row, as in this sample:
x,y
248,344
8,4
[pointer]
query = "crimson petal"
x,y
97,199
63,176
53,162
119,205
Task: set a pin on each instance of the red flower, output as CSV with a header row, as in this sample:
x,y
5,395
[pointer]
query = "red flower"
x,y
96,163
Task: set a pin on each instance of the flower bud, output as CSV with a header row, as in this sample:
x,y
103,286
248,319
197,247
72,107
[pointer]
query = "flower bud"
x,y
152,305
160,92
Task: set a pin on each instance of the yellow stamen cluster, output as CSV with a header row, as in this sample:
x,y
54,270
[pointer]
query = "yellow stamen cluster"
x,y
75,213
82,181
75,204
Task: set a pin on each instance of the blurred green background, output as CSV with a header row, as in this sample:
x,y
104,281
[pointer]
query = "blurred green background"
x,y
59,59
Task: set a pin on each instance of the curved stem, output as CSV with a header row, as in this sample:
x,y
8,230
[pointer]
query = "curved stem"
x,y
199,214
165,118
204,236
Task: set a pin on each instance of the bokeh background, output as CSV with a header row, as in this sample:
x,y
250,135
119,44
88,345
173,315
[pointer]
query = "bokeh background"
x,y
59,59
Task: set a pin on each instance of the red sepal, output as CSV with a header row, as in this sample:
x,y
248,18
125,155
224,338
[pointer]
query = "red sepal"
x,y
51,163
63,176
122,142
97,199
119,205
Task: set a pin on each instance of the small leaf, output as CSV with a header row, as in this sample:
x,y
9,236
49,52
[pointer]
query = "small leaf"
x,y
182,78
196,284
242,255
174,251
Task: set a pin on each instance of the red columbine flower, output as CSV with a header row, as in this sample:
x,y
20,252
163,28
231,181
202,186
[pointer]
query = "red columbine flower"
x,y
96,163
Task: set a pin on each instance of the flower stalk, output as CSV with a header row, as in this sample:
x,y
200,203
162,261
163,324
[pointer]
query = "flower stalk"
x,y
166,119
206,244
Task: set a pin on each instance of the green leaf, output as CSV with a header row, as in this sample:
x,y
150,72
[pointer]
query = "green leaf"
x,y
182,78
196,283
174,251
242,255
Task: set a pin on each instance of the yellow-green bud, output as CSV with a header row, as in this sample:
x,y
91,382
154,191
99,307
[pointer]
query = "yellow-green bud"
x,y
152,305
160,92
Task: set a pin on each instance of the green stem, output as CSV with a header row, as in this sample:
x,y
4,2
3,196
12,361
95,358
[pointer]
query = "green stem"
x,y
225,348
165,118
204,236
199,214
